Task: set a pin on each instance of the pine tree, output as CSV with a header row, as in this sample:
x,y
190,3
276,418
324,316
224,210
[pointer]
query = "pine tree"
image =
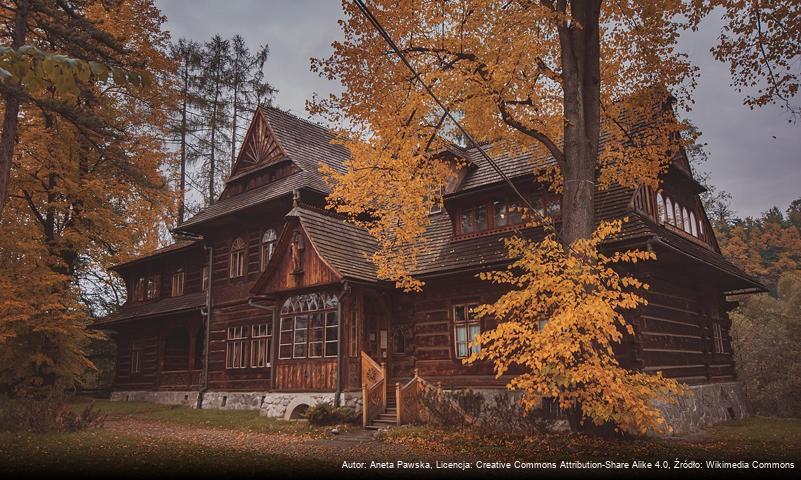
x,y
216,77
185,122
248,87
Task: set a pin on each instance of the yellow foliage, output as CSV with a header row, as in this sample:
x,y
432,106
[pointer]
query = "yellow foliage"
x,y
579,297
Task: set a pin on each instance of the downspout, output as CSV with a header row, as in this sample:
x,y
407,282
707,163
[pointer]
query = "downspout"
x,y
345,291
206,333
276,332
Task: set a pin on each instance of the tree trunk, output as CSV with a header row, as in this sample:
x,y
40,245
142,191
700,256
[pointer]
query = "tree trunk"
x,y
580,55
233,126
212,160
11,115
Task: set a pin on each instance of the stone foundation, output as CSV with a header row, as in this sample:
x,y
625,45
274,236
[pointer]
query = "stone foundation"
x,y
705,405
270,404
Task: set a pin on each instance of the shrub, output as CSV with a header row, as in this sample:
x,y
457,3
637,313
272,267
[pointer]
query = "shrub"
x,y
327,414
49,414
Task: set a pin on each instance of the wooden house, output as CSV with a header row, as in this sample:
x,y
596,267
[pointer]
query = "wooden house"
x,y
269,301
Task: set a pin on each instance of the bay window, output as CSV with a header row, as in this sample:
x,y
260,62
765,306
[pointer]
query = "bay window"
x,y
309,327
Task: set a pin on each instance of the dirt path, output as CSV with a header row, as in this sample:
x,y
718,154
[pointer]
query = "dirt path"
x,y
355,445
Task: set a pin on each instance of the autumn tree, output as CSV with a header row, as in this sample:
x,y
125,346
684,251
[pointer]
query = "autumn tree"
x,y
545,76
81,198
766,246
765,333
74,51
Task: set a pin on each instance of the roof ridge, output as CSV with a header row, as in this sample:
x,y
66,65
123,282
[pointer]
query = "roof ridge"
x,y
294,116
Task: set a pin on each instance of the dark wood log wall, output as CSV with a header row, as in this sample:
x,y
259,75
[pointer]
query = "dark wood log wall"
x,y
675,332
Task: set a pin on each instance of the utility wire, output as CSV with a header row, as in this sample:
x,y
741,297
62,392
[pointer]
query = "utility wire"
x,y
388,39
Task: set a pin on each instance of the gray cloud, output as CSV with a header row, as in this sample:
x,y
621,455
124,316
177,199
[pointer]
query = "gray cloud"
x,y
759,170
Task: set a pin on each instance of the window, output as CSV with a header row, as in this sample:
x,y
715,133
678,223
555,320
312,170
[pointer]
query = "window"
x,y
353,345
669,211
260,345
717,338
316,335
235,353
693,225
436,205
139,289
677,215
541,324
500,213
152,289
467,327
136,359
309,327
178,283
267,247
237,268
686,216
204,278
660,207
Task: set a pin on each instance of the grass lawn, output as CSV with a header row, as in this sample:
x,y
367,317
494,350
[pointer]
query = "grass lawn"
x,y
242,420
128,450
101,452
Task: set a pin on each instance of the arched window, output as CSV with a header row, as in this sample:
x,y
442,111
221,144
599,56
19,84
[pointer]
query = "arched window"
x,y
677,214
686,216
693,225
669,211
700,228
237,267
267,247
660,207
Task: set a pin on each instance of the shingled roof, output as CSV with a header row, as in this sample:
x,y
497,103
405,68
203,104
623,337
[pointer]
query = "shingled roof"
x,y
163,306
178,245
345,246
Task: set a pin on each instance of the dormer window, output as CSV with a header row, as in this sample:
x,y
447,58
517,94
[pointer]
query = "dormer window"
x,y
672,212
267,247
237,261
501,213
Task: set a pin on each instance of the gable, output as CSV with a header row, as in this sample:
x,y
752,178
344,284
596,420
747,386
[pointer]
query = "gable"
x,y
260,147
295,264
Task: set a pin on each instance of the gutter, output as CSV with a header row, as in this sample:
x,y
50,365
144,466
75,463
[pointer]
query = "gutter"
x,y
275,331
345,291
207,326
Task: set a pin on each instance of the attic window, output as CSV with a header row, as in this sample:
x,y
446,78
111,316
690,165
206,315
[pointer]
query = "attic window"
x,y
237,266
267,247
178,283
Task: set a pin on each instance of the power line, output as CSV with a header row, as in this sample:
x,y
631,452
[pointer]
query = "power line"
x,y
388,39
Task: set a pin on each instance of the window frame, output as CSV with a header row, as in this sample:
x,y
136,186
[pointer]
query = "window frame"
x,y
204,278
325,308
718,345
237,266
178,279
136,359
467,324
261,335
236,340
268,243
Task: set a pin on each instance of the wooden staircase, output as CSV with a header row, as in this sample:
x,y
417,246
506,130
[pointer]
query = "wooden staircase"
x,y
390,415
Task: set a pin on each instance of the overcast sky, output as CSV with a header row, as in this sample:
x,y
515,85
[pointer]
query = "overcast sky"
x,y
760,171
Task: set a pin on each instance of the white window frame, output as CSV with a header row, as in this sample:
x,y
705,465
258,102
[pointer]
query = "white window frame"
x,y
178,283
717,338
268,240
469,324
260,339
290,321
237,258
236,355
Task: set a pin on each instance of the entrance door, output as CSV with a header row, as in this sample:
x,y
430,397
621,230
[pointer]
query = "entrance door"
x,y
376,323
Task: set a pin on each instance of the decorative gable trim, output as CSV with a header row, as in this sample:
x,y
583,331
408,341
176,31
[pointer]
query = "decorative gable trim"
x,y
259,148
293,252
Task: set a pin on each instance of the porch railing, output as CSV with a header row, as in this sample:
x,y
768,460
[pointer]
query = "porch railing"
x,y
374,389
